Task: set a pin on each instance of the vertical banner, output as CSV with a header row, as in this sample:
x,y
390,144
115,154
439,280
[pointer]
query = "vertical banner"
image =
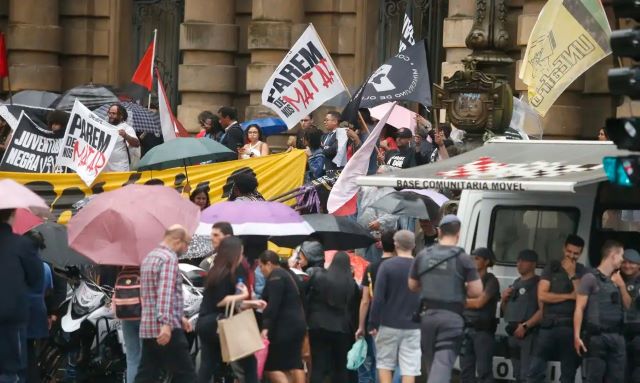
x,y
88,143
304,80
32,149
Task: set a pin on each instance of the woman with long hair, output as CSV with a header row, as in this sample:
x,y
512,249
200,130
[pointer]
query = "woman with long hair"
x,y
225,285
200,197
255,145
283,321
331,296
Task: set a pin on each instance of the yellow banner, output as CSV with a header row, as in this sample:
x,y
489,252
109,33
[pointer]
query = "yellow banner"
x,y
277,174
569,37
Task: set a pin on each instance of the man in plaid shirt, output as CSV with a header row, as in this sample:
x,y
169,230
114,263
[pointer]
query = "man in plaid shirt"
x,y
162,326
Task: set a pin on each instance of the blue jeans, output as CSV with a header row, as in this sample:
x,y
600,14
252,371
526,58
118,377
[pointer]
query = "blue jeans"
x,y
132,346
367,371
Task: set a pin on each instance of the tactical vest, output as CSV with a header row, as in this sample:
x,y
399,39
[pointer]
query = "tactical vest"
x,y
560,284
632,314
443,285
523,302
604,309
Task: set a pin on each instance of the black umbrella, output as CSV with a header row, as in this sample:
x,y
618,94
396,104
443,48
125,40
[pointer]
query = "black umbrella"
x,y
57,250
335,233
37,98
408,204
91,96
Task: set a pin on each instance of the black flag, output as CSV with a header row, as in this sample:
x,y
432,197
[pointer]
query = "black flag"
x,y
404,77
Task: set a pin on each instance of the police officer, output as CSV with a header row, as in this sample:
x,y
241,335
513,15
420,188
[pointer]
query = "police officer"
x,y
480,323
630,271
600,303
522,313
439,273
556,291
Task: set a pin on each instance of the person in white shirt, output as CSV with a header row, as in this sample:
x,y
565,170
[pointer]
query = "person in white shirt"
x,y
123,152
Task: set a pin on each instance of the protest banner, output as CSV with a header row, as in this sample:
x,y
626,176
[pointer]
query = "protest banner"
x,y
304,80
87,144
32,149
276,173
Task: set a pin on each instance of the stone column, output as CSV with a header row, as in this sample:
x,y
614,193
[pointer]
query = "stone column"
x,y
207,75
274,28
34,42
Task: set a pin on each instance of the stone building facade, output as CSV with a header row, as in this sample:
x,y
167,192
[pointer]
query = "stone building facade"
x,y
221,52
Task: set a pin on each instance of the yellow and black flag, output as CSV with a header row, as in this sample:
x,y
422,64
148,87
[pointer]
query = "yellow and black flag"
x,y
569,37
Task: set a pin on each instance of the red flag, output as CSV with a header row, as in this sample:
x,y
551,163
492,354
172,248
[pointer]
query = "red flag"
x,y
144,73
4,62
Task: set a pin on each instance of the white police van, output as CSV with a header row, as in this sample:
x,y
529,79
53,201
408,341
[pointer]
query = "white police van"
x,y
530,194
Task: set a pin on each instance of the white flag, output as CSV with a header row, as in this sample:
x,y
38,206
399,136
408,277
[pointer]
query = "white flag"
x,y
304,80
406,39
167,121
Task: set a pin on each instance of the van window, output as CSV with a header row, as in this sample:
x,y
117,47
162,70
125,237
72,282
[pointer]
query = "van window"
x,y
621,220
543,229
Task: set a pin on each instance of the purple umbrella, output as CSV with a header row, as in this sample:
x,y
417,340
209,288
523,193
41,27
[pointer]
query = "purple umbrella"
x,y
262,218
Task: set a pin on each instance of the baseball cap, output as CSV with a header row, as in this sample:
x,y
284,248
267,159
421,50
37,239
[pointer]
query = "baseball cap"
x,y
631,255
528,255
404,133
483,252
449,218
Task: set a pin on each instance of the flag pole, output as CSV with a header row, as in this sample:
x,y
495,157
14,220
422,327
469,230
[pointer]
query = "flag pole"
x,y
364,124
153,59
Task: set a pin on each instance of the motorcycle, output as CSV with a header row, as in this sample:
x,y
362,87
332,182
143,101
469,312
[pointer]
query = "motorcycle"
x,y
87,343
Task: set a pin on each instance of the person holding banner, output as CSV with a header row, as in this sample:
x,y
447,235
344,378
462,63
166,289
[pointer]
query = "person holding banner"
x,y
121,157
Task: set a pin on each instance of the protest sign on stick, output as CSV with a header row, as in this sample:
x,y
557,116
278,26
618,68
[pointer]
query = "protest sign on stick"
x,y
88,143
32,149
304,80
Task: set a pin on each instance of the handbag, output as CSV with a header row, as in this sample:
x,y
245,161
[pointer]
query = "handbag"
x,y
261,358
239,334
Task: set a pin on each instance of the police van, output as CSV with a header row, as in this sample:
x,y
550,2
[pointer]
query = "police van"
x,y
530,195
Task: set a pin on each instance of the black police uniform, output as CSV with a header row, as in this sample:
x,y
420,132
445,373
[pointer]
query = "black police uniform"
x,y
632,330
479,337
521,306
602,331
555,337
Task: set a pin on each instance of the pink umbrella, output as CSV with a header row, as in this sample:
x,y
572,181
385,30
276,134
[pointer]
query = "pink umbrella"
x,y
400,117
121,227
15,196
25,221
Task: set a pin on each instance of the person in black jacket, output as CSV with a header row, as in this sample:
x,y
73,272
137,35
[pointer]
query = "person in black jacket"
x,y
233,136
20,271
331,294
283,321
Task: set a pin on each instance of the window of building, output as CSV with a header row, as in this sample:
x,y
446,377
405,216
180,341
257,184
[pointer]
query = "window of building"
x,y
543,229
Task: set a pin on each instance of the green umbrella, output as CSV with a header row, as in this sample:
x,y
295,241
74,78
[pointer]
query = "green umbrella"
x,y
184,151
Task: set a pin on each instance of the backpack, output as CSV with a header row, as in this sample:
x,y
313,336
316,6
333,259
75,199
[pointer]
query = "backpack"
x,y
126,295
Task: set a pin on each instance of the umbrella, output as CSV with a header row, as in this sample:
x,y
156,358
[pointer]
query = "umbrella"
x,y
400,117
140,118
438,198
261,218
24,221
268,125
91,96
11,114
16,196
38,98
121,227
183,151
57,250
408,205
199,247
335,233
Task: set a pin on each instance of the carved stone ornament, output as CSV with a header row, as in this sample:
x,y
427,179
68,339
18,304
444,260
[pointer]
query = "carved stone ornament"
x,y
489,30
475,101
